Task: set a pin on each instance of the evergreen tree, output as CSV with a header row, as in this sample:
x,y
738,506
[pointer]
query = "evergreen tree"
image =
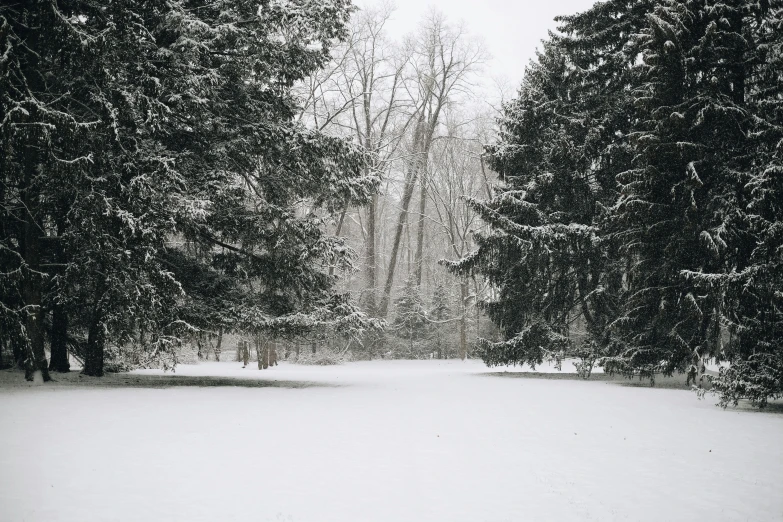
x,y
750,287
132,128
641,163
676,212
411,319
562,143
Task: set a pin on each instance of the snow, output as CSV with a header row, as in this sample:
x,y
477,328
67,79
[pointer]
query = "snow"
x,y
379,441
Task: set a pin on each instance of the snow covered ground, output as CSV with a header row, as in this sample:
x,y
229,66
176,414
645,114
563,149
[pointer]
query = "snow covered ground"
x,y
379,441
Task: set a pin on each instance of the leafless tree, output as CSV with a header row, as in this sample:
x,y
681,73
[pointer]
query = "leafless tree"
x,y
457,171
443,59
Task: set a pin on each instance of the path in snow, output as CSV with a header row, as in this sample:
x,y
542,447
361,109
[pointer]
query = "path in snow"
x,y
379,441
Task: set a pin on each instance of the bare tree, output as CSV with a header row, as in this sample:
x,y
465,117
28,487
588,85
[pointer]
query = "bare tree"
x,y
443,60
362,95
457,171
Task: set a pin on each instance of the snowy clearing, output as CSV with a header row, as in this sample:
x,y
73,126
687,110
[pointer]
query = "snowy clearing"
x,y
379,441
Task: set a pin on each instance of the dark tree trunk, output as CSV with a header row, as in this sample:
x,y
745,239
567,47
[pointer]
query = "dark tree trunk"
x,y
419,259
17,350
218,344
58,361
200,346
463,344
262,352
372,274
5,358
59,338
96,340
245,349
31,293
96,337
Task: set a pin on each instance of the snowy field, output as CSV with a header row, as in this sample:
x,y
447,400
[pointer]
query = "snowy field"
x,y
380,441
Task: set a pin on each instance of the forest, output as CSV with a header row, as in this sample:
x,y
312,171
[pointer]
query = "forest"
x,y
285,174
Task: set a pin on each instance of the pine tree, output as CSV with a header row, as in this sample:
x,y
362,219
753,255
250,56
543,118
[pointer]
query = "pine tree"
x,y
411,319
675,215
641,163
562,143
168,124
750,286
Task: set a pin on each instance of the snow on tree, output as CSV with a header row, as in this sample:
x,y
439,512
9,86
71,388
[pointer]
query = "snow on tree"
x,y
411,320
166,141
560,146
641,163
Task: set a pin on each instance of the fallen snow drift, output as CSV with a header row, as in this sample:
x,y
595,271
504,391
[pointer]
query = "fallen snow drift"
x,y
378,441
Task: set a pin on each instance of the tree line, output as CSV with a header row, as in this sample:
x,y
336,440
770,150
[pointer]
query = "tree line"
x,y
413,105
642,197
155,182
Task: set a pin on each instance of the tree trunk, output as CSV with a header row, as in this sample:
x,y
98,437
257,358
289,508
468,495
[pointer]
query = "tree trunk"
x,y
59,338
31,292
6,358
59,333
401,220
218,344
200,346
463,346
96,336
262,352
407,254
422,143
18,350
337,232
372,274
259,355
419,259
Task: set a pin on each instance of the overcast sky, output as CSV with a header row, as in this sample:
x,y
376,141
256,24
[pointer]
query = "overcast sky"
x,y
511,30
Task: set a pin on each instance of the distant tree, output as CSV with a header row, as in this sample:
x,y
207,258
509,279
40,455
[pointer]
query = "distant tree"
x,y
439,313
442,63
411,319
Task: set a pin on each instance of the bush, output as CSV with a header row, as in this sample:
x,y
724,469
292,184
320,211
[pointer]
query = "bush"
x,y
323,357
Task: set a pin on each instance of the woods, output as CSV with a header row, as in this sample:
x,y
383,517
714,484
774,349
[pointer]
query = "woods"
x,y
392,261
287,171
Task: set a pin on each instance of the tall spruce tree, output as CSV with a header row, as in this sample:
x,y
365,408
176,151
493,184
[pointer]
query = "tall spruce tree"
x,y
751,306
677,211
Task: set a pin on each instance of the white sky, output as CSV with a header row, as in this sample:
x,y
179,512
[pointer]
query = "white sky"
x,y
511,30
